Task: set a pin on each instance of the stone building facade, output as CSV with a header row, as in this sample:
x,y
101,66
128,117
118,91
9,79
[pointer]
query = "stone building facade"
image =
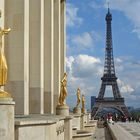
x,y
35,52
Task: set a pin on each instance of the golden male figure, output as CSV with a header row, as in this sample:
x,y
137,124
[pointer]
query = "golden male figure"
x,y
3,64
63,90
78,97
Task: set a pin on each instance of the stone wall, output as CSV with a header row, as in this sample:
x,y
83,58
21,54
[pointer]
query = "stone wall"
x,y
39,128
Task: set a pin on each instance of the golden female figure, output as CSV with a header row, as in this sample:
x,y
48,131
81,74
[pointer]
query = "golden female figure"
x,y
83,104
63,90
3,64
78,97
83,101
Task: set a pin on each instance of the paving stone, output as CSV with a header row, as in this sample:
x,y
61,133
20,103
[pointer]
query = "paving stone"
x,y
102,134
132,128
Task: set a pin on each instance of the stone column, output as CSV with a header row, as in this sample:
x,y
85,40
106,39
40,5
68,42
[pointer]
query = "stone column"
x,y
56,51
2,16
26,57
17,53
48,56
63,36
42,58
35,56
6,119
62,109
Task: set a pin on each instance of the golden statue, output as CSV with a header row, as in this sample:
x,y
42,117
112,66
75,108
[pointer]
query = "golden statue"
x,y
63,90
78,97
3,64
83,104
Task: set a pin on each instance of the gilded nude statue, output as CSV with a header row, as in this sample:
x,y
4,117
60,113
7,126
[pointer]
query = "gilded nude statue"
x,y
83,104
63,90
78,97
3,63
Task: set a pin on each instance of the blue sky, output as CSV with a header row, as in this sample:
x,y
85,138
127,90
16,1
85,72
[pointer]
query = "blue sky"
x,y
86,28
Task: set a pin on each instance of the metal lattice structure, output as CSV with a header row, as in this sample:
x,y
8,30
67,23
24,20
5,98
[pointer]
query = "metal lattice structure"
x,y
109,77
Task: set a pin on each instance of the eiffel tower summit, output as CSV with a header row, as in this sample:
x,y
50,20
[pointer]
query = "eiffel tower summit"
x,y
109,78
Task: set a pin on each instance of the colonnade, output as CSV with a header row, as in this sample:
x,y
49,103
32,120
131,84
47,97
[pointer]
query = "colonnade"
x,y
35,52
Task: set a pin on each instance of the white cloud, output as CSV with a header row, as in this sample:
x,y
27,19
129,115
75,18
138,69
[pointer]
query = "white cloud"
x,y
129,84
118,60
84,40
86,66
86,59
72,16
85,71
82,43
119,64
69,62
94,5
125,88
82,70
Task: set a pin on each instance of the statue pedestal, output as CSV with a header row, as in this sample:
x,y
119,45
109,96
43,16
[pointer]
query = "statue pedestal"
x,y
77,110
6,118
62,110
83,110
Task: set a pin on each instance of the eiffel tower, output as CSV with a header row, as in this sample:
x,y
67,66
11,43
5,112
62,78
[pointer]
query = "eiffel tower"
x,y
109,78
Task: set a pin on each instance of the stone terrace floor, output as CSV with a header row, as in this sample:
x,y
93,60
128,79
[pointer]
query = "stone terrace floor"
x,y
102,134
132,128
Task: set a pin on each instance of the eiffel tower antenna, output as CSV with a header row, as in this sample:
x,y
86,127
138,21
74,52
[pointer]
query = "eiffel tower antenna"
x,y
108,4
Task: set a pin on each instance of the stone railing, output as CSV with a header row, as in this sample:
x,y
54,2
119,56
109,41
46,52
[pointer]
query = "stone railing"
x,y
118,133
39,128
83,127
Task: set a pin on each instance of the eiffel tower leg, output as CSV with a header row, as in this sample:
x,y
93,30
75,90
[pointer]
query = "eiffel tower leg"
x,y
115,90
124,110
94,112
102,91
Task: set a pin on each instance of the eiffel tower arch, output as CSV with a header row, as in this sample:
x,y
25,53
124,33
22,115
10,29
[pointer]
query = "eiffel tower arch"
x,y
109,78
117,104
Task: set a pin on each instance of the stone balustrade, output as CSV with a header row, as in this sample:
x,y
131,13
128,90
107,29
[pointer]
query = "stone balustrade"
x,y
39,128
118,133
83,127
76,121
52,127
